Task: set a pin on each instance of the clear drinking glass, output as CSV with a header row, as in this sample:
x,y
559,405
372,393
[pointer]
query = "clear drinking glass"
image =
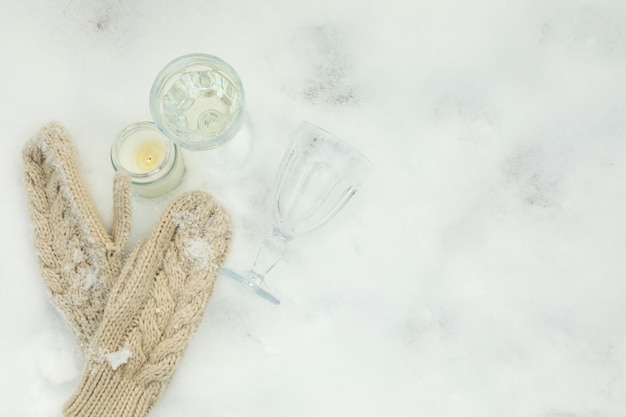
x,y
198,101
318,175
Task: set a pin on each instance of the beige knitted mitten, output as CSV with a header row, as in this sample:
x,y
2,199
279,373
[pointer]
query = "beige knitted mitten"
x,y
154,308
79,260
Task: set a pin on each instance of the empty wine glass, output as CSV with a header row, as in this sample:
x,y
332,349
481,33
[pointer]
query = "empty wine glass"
x,y
317,177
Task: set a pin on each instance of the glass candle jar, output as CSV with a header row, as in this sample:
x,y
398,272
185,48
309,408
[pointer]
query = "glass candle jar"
x,y
197,100
154,164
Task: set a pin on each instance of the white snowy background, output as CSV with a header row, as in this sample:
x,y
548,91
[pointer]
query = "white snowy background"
x,y
481,271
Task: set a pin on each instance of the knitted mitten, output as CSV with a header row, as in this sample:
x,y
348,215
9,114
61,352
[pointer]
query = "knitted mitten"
x,y
79,260
154,308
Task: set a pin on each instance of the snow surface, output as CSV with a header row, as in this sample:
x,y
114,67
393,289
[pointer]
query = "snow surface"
x,y
480,271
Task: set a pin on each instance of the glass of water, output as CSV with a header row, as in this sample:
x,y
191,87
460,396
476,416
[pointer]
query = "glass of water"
x,y
198,101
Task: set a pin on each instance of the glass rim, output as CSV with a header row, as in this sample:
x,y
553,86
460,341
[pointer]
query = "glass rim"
x,y
176,66
330,135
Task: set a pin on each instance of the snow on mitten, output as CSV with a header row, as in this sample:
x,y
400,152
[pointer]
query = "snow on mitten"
x,y
153,310
79,260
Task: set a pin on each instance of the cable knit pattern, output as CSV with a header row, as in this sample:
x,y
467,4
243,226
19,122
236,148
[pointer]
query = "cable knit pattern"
x,y
78,258
154,308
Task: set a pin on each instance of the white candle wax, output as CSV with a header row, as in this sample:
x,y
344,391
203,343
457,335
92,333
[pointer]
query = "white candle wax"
x,y
149,155
153,163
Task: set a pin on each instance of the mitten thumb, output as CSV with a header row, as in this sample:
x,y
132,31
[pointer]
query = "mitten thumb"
x,y
120,229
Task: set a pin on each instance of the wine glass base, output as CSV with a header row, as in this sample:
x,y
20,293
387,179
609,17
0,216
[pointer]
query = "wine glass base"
x,y
253,282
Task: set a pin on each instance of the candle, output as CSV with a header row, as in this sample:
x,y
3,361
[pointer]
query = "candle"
x,y
153,163
149,155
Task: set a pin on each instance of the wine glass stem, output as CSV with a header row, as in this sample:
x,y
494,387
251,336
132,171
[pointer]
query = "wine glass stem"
x,y
269,254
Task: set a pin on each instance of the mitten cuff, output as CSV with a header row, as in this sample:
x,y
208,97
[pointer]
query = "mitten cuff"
x,y
111,393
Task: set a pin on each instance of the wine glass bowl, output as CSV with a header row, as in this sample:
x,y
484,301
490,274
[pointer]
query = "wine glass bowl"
x,y
198,101
317,177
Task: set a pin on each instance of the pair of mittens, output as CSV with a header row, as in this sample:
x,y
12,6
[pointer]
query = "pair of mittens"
x,y
132,318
